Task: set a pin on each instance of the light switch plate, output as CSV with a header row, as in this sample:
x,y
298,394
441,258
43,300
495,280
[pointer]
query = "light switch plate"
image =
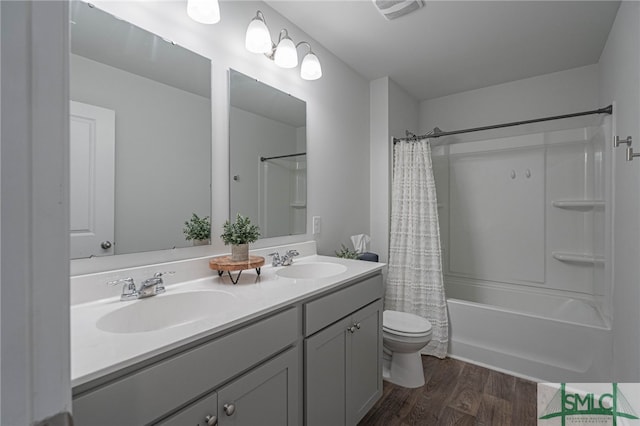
x,y
316,225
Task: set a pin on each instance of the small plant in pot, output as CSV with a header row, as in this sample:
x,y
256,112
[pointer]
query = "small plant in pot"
x,y
198,230
239,234
346,253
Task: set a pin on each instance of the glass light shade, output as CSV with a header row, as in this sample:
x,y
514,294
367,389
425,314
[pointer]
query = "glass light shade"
x,y
258,39
286,54
204,11
310,69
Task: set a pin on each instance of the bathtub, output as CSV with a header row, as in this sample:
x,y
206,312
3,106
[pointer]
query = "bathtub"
x,y
542,337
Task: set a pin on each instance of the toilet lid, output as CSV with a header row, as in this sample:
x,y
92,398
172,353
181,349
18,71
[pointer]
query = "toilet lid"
x,y
405,323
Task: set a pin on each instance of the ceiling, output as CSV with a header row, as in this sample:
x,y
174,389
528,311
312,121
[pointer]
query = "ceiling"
x,y
454,46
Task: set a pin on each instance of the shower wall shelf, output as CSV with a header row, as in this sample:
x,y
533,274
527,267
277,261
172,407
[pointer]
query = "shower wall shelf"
x,y
571,257
578,204
298,205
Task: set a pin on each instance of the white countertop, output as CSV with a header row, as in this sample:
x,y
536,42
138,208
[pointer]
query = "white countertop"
x,y
95,352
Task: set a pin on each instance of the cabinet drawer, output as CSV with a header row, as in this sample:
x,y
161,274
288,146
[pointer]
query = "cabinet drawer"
x,y
328,309
161,387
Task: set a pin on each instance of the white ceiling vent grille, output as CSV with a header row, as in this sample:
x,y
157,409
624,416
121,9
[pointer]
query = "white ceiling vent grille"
x,y
392,9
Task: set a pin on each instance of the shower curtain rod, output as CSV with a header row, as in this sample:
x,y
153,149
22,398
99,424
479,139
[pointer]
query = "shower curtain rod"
x,y
282,156
437,133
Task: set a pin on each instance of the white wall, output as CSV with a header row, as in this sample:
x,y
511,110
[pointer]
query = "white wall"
x,y
620,83
542,96
34,285
163,146
337,113
392,111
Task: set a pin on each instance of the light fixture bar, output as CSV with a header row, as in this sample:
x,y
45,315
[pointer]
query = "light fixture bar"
x,y
285,52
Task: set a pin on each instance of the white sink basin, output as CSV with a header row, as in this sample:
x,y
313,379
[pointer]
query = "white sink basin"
x,y
165,311
312,270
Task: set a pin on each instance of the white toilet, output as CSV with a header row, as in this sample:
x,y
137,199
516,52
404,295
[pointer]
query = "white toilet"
x,y
403,336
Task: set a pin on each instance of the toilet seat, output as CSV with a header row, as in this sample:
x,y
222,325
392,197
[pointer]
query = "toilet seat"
x,y
410,335
405,324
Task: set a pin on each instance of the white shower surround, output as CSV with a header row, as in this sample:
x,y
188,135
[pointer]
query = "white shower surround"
x,y
552,323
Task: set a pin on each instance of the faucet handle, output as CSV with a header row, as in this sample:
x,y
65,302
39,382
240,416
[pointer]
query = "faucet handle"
x,y
129,291
157,281
276,258
292,253
128,282
162,274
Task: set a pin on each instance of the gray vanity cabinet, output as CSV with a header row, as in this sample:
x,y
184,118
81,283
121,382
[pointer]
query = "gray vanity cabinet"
x,y
343,361
201,413
325,372
232,365
364,355
267,396
252,374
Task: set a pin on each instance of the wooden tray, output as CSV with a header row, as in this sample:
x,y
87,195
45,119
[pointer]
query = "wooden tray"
x,y
224,264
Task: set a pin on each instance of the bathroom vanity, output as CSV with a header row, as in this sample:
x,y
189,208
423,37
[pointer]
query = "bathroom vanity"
x,y
294,346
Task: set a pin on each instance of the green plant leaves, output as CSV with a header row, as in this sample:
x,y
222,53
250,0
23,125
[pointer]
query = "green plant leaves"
x,y
197,228
242,231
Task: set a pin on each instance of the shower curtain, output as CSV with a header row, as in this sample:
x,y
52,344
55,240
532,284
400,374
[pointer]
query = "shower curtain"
x,y
414,281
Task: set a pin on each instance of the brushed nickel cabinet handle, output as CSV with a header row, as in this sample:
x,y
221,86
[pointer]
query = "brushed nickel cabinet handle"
x,y
229,409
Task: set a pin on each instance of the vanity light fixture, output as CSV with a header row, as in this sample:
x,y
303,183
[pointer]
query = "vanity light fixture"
x,y
204,11
285,52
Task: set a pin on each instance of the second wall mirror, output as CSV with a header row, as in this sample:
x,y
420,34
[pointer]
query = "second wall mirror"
x,y
268,162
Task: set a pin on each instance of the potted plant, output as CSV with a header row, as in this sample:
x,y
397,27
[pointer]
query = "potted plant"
x,y
239,234
198,230
346,253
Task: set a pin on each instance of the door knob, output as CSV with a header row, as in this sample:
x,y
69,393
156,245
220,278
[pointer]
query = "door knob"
x,y
106,245
229,409
211,420
351,329
358,326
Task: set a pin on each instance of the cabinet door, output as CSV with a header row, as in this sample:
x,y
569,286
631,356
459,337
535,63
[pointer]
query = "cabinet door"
x,y
200,413
364,358
325,370
265,396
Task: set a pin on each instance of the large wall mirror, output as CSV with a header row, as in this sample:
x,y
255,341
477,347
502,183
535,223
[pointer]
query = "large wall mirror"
x,y
140,137
268,163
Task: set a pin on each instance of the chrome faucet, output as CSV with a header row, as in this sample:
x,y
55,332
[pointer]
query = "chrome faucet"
x,y
152,286
287,259
129,291
149,287
284,260
275,259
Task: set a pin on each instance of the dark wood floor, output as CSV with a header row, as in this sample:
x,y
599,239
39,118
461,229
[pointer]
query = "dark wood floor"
x,y
457,393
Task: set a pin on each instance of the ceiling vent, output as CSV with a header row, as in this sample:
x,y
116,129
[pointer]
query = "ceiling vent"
x,y
392,9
